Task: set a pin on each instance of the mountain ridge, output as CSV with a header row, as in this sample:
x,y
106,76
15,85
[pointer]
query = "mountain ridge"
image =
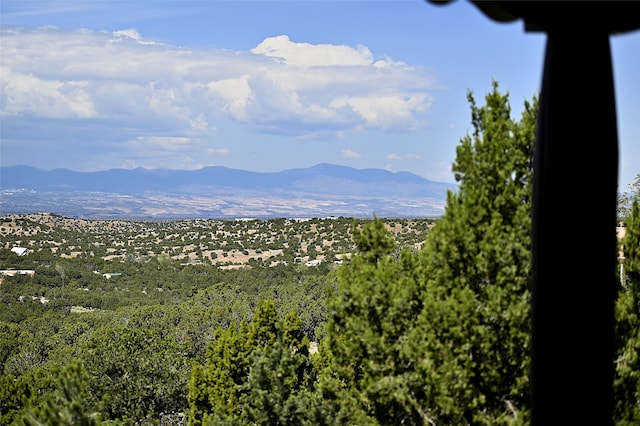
x,y
334,189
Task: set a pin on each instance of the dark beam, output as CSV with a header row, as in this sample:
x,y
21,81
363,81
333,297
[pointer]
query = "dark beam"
x,y
574,242
574,207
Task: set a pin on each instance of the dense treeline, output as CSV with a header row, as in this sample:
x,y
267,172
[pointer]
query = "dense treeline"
x,y
155,307
183,287
627,320
135,349
394,335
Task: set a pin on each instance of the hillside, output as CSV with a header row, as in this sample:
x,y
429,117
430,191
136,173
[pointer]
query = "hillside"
x,y
219,192
224,243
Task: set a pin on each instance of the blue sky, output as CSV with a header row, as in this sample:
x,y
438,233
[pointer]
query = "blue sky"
x,y
266,85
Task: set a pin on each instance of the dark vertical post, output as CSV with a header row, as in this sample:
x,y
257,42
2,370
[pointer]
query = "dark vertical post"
x,y
574,243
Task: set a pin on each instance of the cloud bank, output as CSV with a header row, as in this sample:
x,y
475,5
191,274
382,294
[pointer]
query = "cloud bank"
x,y
143,94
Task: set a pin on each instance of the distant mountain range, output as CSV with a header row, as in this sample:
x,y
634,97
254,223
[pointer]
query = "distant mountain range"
x,y
221,192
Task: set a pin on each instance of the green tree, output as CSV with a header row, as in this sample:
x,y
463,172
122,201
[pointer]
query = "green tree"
x,y
67,405
9,334
263,329
135,373
370,379
215,388
372,241
256,373
627,310
280,385
18,394
475,322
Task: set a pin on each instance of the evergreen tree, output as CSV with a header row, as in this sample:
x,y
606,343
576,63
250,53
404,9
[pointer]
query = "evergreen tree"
x,y
198,396
134,373
280,383
372,241
627,365
67,406
214,389
370,379
256,373
20,394
263,329
474,326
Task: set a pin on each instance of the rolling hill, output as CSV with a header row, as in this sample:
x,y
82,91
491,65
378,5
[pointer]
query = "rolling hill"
x,y
221,192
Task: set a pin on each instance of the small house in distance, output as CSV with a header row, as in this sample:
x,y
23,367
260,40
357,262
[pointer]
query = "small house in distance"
x,y
20,251
109,275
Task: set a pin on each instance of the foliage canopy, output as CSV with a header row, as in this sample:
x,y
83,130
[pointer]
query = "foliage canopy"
x,y
438,335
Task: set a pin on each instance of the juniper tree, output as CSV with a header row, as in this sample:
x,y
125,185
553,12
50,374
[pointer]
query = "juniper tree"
x,y
627,327
280,383
444,338
369,378
474,325
256,373
66,406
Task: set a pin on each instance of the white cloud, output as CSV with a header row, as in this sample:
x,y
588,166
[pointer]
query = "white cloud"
x,y
140,90
199,127
129,164
232,95
61,99
313,55
395,157
132,34
162,143
218,151
389,112
348,153
441,172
